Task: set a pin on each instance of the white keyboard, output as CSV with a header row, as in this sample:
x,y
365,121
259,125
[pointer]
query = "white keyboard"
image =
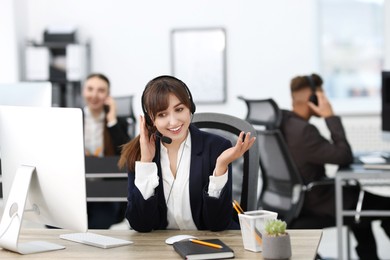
x,y
97,240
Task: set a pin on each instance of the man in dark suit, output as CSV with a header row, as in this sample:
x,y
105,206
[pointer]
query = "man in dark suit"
x,y
311,151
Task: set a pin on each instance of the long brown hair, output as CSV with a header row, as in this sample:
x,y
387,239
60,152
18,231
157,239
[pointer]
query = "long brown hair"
x,y
155,98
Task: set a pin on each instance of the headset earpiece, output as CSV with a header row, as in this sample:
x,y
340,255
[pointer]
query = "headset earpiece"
x,y
313,96
148,120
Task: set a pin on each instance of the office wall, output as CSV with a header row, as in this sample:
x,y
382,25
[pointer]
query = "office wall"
x,y
386,32
268,42
9,56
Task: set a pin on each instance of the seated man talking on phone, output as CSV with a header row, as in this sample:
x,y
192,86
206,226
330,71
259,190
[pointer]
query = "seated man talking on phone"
x,y
311,151
104,133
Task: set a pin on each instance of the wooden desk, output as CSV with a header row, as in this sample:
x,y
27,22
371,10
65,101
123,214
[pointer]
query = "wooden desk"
x,y
152,245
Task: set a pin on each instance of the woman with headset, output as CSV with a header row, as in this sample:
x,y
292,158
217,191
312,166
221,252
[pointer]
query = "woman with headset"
x,y
179,176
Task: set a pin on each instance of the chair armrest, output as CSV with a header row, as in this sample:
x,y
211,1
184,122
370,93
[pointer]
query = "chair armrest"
x,y
321,182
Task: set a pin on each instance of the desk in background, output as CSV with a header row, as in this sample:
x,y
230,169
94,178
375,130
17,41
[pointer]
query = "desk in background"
x,y
365,177
152,245
104,181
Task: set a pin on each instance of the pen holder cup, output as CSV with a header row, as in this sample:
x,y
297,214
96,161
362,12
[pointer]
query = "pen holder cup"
x,y
252,225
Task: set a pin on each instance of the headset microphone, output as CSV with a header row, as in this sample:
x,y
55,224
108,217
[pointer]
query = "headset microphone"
x,y
163,139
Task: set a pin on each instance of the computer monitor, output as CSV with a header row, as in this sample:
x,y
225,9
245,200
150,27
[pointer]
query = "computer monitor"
x,y
34,94
385,113
43,170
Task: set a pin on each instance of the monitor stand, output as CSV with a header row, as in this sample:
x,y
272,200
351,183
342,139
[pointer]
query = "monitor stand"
x,y
11,221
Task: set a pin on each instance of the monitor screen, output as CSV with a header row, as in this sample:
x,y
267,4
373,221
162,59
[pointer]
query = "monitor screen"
x,y
385,114
34,94
42,160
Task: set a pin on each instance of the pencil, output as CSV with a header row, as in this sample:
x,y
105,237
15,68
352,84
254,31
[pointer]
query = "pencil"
x,y
200,242
239,210
238,206
235,207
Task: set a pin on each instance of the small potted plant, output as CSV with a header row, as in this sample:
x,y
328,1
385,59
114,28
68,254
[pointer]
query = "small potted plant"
x,y
276,241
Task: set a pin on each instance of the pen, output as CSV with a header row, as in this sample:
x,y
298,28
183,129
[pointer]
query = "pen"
x,y
200,242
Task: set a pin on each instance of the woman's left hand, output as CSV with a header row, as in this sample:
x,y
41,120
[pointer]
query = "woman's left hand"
x,y
111,115
243,144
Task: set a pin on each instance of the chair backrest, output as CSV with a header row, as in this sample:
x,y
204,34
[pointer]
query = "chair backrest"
x,y
263,112
246,170
124,106
282,188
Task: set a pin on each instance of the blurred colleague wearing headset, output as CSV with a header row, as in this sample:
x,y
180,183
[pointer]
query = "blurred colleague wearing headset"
x,y
179,176
104,133
311,152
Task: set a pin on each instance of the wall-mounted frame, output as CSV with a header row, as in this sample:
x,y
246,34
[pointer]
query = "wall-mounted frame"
x,y
199,59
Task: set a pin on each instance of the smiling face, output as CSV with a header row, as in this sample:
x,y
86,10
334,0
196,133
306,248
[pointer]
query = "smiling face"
x,y
95,93
174,121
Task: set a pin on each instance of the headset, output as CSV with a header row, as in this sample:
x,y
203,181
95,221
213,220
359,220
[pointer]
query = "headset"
x,y
148,119
313,96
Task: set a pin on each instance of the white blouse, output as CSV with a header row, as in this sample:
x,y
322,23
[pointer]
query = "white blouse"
x,y
176,191
93,133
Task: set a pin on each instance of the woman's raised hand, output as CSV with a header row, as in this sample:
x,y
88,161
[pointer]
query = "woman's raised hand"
x,y
243,144
147,143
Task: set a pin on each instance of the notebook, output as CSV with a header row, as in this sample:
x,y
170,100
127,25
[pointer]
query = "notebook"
x,y
377,166
375,161
190,250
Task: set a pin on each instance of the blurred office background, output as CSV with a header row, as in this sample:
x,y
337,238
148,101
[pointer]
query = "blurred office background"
x,y
267,43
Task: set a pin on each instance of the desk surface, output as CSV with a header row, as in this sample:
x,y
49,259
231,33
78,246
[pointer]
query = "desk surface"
x,y
375,181
152,245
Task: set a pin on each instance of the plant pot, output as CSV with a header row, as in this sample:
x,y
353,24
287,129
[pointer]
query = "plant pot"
x,y
276,247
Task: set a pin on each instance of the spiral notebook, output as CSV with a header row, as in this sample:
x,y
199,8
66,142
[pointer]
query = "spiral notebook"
x,y
190,250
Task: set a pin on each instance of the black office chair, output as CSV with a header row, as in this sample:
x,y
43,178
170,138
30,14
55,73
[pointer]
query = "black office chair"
x,y
245,171
283,190
125,110
263,113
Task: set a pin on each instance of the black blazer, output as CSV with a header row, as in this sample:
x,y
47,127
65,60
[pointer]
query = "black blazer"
x,y
208,213
114,136
118,134
311,151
